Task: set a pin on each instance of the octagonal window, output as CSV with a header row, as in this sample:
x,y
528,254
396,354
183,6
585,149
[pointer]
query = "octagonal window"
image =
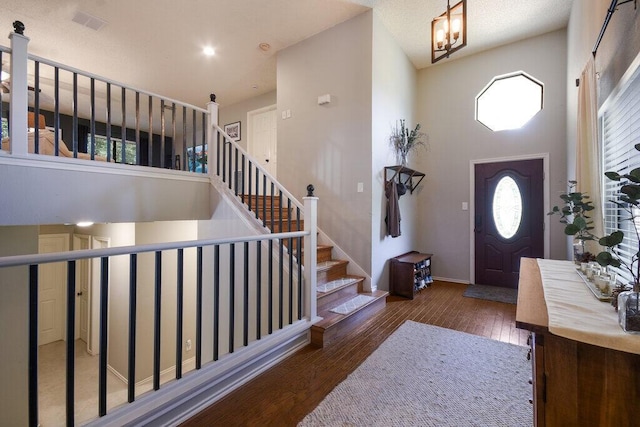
x,y
509,101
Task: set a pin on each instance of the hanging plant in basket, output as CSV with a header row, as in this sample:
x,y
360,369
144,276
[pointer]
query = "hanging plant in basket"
x,y
404,140
628,200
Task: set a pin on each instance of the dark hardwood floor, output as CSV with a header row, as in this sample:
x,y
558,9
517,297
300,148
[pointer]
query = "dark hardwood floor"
x,y
283,395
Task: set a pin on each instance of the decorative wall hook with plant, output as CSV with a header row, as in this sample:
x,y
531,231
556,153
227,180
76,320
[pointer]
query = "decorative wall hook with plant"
x,y
405,141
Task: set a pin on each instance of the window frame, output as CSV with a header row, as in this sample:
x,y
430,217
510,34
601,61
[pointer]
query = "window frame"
x,y
506,77
114,143
619,132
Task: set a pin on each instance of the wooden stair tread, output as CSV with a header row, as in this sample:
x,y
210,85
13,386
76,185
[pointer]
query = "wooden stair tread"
x,y
331,320
349,280
329,264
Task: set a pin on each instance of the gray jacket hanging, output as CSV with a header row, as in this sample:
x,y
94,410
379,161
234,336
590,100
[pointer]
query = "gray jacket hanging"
x,y
393,209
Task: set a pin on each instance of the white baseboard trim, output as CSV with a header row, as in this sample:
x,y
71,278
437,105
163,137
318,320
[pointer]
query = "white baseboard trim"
x,y
177,401
166,375
444,279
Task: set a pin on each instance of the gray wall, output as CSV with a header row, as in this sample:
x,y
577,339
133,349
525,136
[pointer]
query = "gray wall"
x,y
619,46
58,193
14,303
158,232
238,112
329,145
446,107
394,97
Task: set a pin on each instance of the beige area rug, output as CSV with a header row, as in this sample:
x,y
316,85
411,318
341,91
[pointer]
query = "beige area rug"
x,y
423,375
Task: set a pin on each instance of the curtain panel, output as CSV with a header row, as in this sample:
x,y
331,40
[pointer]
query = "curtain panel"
x,y
588,158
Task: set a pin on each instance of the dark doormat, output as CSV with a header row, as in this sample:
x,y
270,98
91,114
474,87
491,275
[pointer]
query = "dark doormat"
x,y
492,293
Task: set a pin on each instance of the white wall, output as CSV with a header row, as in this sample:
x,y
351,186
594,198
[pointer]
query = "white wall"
x,y
394,97
446,108
329,145
14,331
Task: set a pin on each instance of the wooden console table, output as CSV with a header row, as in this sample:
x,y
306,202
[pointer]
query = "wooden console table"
x,y
574,383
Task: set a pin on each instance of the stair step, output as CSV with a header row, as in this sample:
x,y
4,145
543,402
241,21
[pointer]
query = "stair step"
x,y
337,284
324,252
353,304
331,270
337,291
285,226
260,199
334,325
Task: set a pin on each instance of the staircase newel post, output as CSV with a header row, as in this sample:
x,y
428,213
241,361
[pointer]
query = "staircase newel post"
x,y
212,132
19,105
310,254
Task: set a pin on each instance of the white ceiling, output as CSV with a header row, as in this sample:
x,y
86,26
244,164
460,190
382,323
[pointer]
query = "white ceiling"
x,y
156,45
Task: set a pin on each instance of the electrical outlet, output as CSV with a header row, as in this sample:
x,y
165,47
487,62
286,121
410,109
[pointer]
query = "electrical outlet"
x,y
188,345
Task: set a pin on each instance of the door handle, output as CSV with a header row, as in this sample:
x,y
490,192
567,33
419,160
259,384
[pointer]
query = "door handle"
x,y
478,224
267,160
79,294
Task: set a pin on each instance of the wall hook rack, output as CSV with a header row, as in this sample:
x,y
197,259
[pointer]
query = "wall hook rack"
x,y
403,175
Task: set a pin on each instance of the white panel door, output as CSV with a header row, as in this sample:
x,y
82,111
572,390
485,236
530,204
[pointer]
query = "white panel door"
x,y
263,143
51,287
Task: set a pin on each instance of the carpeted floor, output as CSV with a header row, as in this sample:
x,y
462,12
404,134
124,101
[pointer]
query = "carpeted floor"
x,y
492,293
424,375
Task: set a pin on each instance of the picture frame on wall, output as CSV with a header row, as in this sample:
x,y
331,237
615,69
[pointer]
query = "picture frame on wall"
x,y
234,131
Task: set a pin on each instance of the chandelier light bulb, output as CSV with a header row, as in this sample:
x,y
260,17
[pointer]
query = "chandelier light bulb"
x,y
455,27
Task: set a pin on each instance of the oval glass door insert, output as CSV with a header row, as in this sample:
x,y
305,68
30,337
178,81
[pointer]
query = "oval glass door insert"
x,y
507,207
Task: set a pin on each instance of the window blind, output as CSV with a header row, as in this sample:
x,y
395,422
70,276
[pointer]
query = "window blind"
x,y
620,132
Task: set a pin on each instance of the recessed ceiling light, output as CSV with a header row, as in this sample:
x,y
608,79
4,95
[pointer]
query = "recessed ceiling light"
x,y
264,47
208,51
254,87
84,224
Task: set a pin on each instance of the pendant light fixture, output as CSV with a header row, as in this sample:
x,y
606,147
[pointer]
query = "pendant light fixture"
x,y
449,31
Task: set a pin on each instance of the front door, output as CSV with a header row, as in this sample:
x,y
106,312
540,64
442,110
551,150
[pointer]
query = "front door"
x,y
509,219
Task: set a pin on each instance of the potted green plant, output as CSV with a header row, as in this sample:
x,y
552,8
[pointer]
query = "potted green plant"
x,y
404,140
575,215
628,200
